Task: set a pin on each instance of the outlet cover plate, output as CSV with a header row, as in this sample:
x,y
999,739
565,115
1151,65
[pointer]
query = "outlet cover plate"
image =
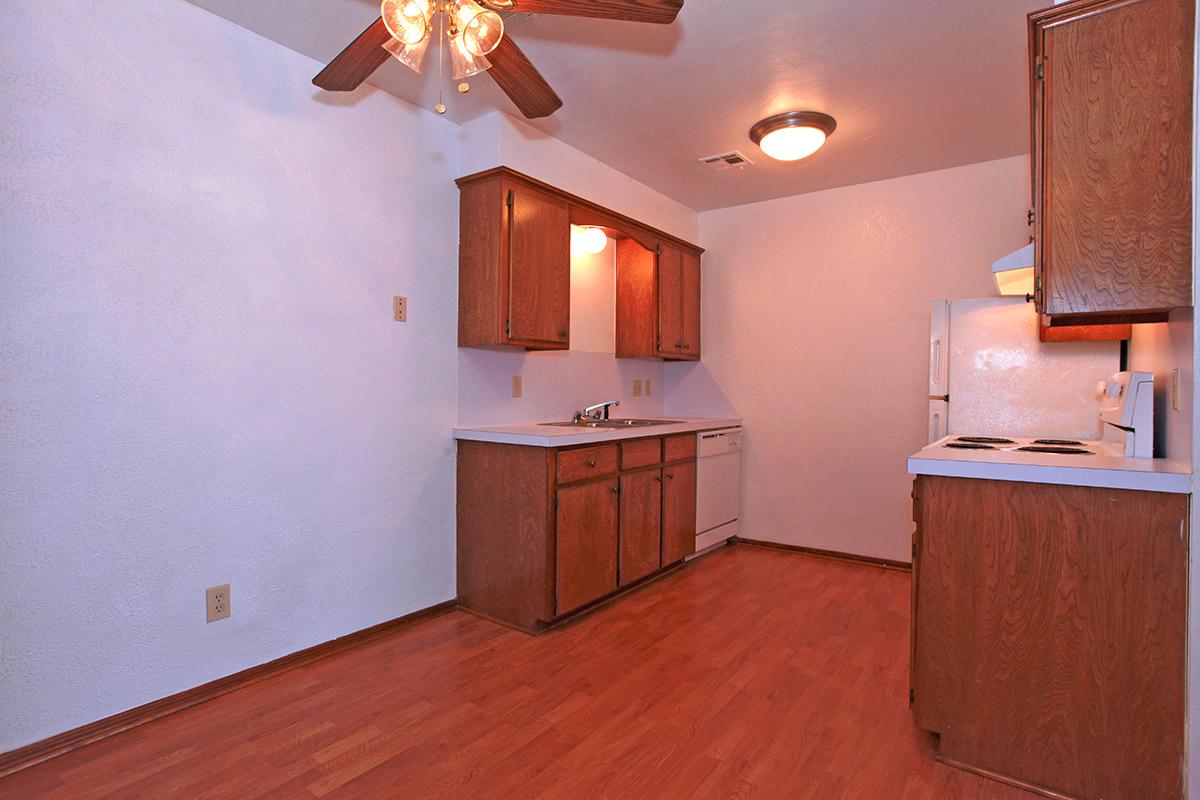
x,y
400,308
217,602
517,388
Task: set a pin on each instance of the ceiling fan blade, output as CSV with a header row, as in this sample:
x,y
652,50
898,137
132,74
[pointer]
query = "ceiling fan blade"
x,y
356,63
521,81
662,12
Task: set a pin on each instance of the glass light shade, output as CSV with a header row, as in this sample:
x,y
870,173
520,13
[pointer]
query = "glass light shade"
x,y
792,144
464,64
590,241
410,55
481,34
408,21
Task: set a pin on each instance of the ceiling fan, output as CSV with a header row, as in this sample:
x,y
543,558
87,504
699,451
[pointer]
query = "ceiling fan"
x,y
473,33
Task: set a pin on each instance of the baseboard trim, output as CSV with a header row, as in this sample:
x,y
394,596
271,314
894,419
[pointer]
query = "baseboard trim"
x,y
67,741
885,563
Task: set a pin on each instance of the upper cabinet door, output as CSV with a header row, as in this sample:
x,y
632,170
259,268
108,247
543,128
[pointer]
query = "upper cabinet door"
x,y
538,265
1112,82
690,305
670,302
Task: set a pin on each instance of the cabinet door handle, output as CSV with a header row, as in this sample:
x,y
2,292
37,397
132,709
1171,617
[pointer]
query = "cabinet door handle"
x,y
592,463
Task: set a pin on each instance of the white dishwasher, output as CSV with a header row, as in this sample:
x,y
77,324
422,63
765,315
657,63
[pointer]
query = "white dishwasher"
x,y
718,485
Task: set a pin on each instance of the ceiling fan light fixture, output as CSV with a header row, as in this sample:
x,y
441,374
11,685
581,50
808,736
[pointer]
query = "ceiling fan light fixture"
x,y
480,29
410,55
408,21
793,135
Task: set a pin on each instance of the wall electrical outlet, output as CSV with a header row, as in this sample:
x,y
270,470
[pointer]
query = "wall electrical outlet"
x,y
647,383
637,388
217,601
400,308
516,386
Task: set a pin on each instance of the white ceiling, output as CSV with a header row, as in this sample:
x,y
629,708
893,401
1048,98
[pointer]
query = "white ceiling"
x,y
915,85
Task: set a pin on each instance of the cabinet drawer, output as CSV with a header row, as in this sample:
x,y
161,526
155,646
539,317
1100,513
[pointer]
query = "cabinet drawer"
x,y
587,462
680,447
641,453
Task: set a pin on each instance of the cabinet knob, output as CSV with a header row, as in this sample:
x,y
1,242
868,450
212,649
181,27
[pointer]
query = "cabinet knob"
x,y
657,478
670,476
614,490
562,334
592,463
687,347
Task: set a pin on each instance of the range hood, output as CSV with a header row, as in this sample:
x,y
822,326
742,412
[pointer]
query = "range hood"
x,y
1014,273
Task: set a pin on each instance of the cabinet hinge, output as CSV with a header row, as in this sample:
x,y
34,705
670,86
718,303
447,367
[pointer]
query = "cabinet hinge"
x,y
556,501
912,697
914,550
508,201
1030,216
508,327
1041,71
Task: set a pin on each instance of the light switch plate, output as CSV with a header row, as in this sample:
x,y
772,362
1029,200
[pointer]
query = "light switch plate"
x,y
400,308
637,387
216,600
647,383
516,386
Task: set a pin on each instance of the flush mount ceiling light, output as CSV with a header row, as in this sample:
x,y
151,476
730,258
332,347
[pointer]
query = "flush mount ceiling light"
x,y
793,135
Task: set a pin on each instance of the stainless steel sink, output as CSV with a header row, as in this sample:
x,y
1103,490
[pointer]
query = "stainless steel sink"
x,y
612,423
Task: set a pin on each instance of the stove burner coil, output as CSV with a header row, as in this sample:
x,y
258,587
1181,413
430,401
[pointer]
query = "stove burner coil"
x,y
984,440
1068,451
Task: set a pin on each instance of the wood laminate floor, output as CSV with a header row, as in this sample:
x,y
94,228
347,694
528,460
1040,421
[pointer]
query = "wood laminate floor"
x,y
751,673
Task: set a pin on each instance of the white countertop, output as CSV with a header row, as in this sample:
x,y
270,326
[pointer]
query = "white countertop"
x,y
536,435
1099,470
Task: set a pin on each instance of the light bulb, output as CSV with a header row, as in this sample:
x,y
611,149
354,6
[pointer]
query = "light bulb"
x,y
591,241
479,29
792,144
406,20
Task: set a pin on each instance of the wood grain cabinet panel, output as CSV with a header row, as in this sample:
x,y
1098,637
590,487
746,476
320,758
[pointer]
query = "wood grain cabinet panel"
x,y
1112,89
679,447
514,266
587,462
1050,633
637,453
679,512
641,524
586,561
658,301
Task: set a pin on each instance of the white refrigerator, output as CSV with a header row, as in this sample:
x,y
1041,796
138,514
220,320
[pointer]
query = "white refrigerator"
x,y
989,375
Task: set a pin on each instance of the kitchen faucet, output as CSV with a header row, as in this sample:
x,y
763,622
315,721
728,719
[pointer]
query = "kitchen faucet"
x,y
593,412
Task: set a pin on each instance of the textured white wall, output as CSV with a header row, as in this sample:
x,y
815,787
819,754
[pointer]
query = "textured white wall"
x,y
816,317
200,380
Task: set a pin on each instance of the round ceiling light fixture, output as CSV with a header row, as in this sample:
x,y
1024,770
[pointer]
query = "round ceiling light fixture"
x,y
793,135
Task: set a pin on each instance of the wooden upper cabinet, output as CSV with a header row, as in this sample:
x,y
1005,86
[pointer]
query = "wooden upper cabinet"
x,y
514,271
514,266
658,301
1112,140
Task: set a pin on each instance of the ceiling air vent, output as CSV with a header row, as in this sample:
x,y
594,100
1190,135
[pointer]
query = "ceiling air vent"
x,y
723,161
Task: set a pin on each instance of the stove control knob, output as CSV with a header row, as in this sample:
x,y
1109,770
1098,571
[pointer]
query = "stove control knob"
x,y
1101,389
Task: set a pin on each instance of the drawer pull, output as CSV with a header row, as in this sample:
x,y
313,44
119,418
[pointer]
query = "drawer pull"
x,y
592,463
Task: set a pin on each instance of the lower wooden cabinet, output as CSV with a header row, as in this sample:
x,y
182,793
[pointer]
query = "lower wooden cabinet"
x,y
586,556
1049,634
544,532
679,511
641,524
